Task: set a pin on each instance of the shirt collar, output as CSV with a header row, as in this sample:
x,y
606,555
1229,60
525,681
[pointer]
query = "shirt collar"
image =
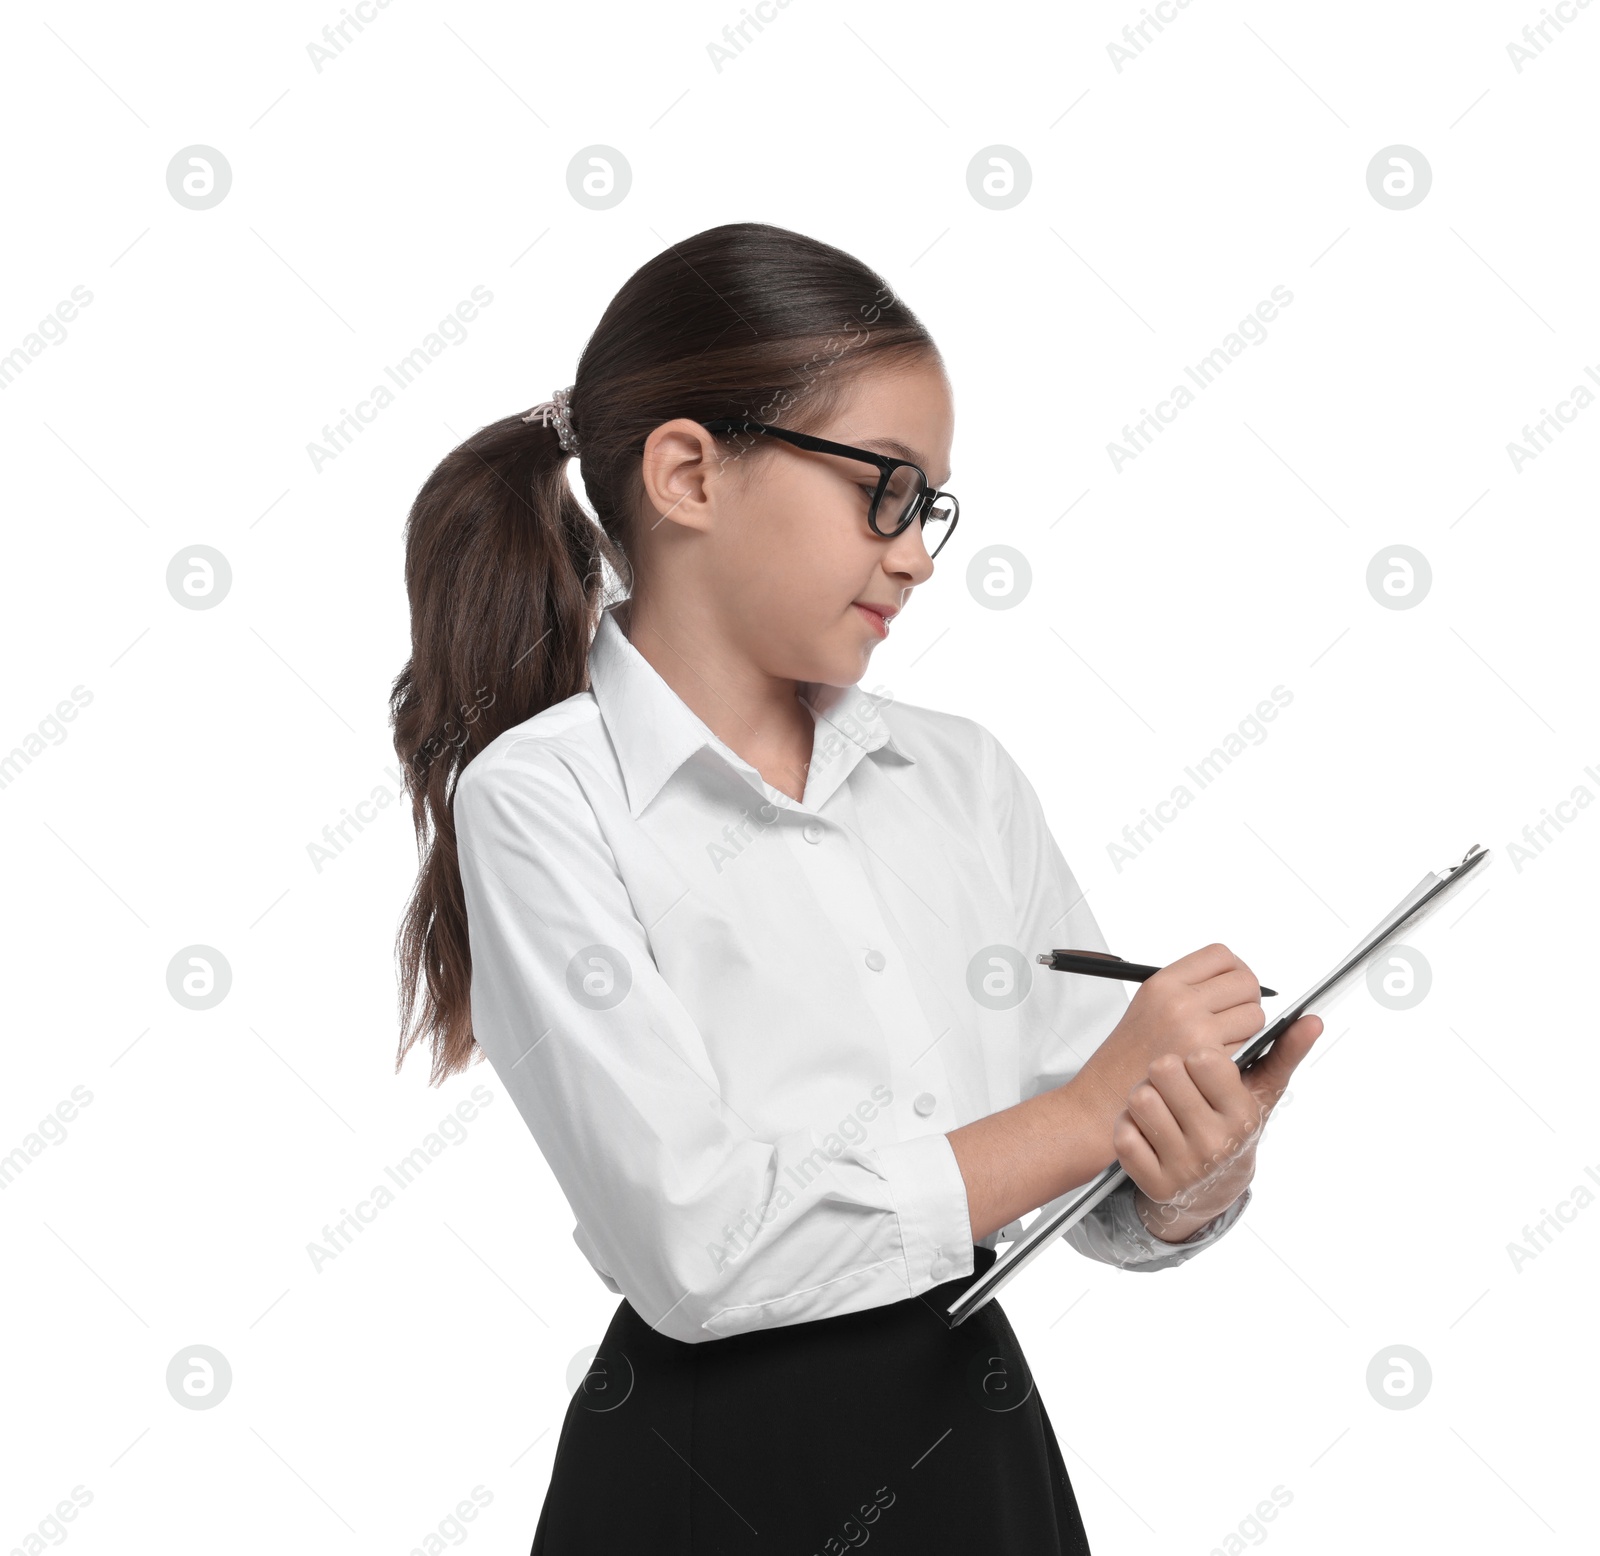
x,y
654,732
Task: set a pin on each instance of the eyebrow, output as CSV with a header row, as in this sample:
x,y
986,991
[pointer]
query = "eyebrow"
x,y
898,449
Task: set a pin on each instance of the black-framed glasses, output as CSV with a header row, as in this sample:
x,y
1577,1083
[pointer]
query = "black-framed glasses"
x,y
902,493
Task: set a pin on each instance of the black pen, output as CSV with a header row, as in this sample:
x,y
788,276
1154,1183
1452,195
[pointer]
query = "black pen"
x,y
1102,964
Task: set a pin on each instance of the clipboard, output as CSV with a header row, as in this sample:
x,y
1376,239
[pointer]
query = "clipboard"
x,y
1420,903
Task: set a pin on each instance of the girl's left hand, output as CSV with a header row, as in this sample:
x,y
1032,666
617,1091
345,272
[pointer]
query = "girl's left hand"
x,y
1188,1135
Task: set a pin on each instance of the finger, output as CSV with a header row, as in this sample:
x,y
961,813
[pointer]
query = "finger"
x,y
1218,1079
1205,963
1287,1052
1238,986
1190,1109
1268,1079
1137,1156
1239,1025
1149,1110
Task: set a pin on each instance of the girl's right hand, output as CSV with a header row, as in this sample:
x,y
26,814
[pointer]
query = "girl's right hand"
x,y
1207,999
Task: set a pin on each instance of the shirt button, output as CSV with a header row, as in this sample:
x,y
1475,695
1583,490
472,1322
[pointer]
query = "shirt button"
x,y
925,1104
812,833
940,1268
876,960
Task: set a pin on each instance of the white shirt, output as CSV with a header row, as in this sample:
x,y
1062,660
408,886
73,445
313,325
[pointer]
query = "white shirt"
x,y
739,1025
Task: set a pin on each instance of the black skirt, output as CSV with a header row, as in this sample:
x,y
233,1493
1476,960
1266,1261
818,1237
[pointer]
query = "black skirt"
x,y
812,1438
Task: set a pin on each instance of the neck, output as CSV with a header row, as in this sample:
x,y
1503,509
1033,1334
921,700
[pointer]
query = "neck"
x,y
756,715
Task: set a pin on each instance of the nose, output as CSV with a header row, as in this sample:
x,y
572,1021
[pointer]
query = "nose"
x,y
906,556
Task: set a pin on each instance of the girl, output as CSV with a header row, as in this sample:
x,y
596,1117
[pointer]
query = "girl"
x,y
751,948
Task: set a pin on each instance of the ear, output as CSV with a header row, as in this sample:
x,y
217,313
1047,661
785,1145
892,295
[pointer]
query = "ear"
x,y
682,466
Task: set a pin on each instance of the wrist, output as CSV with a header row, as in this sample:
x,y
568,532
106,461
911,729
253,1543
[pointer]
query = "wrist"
x,y
1090,1106
1082,1120
1172,1223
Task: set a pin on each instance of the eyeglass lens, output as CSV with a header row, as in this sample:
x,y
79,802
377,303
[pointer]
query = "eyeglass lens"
x,y
901,495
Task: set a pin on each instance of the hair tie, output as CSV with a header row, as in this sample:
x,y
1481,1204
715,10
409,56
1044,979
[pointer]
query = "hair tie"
x,y
554,413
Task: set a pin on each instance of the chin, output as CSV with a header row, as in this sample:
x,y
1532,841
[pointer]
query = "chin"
x,y
842,669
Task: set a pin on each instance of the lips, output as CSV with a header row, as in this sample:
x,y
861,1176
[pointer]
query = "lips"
x,y
879,615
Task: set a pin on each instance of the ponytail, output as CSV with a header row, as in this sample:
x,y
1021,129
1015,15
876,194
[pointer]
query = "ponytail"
x,y
504,574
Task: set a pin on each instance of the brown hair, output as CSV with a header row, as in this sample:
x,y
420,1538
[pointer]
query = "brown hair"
x,y
504,568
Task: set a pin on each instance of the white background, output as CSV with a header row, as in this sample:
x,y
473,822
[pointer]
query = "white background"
x,y
1168,198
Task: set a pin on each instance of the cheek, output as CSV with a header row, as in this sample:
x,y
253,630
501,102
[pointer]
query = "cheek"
x,y
811,520
771,551
830,515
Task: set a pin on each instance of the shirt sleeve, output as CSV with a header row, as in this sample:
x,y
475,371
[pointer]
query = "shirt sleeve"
x,y
1067,1017
705,1228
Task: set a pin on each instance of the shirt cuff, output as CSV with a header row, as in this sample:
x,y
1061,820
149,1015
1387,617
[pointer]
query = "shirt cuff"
x,y
1113,1233
930,1198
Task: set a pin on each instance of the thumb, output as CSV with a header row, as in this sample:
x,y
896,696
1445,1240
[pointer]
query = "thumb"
x,y
1269,1079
